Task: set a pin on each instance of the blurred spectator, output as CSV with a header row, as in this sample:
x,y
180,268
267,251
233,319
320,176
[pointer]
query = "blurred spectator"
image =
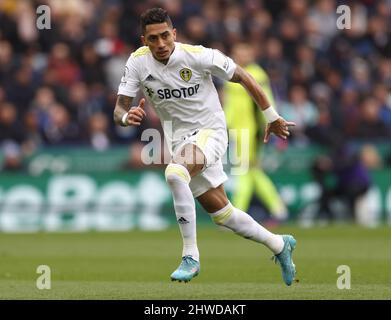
x,y
301,111
98,132
44,99
26,18
305,64
379,34
59,129
359,78
9,124
290,34
20,87
277,67
6,62
349,111
196,29
78,101
114,67
383,95
370,157
297,10
324,17
371,126
319,132
65,70
352,179
11,138
108,42
2,95
13,159
212,16
33,138
233,23
384,70
91,65
321,76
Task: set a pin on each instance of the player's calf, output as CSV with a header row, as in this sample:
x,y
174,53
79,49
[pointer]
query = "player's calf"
x,y
244,225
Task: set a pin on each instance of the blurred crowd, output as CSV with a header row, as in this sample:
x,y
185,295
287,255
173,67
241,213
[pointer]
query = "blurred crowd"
x,y
58,86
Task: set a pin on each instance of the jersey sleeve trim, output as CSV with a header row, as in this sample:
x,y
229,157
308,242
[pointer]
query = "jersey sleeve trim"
x,y
130,81
190,48
222,66
142,51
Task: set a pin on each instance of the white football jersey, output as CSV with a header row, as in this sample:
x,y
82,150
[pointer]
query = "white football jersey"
x,y
182,91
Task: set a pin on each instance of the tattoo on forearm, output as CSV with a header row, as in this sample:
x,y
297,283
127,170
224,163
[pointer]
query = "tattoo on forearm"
x,y
122,106
124,102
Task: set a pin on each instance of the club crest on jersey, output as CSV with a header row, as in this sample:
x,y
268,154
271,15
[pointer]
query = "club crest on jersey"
x,y
185,74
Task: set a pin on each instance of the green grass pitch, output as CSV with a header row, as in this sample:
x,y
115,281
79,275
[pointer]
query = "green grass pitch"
x,y
137,265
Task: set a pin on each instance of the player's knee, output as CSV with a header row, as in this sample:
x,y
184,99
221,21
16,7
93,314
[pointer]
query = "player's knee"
x,y
176,172
192,157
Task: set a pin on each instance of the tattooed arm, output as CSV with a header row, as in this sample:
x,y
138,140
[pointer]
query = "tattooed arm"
x,y
134,114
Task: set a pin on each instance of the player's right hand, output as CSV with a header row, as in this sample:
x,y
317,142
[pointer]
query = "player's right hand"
x,y
136,114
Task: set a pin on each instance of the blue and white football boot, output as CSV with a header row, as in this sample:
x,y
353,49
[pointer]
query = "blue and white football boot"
x,y
187,270
284,259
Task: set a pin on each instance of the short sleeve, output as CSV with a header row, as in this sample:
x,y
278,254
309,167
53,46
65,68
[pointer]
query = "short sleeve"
x,y
130,82
218,64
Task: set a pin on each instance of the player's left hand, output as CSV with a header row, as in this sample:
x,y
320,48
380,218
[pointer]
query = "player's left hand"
x,y
280,128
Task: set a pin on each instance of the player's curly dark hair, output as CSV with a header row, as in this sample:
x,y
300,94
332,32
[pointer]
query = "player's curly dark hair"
x,y
154,15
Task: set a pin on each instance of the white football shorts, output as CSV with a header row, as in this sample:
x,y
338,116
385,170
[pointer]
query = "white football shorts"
x,y
213,143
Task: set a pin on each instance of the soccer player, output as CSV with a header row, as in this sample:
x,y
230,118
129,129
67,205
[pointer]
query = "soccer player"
x,y
176,79
237,101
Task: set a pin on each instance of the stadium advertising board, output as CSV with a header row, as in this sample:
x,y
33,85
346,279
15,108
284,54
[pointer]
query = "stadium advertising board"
x,y
134,200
